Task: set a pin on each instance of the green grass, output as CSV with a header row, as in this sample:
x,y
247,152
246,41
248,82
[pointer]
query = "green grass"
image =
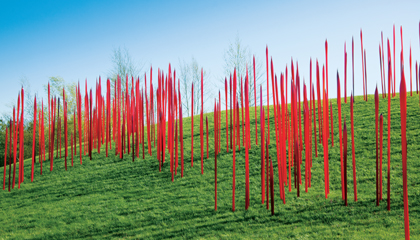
x,y
113,198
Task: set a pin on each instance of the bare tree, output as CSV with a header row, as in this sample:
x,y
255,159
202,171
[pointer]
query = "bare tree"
x,y
238,56
123,66
190,73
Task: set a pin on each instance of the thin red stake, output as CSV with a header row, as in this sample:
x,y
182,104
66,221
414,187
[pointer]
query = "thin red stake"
x,y
181,132
340,133
108,116
202,142
79,112
233,137
306,131
376,135
262,131
352,147
65,133
345,161
176,147
247,142
215,153
403,107
352,61
389,127
325,140
417,79
284,130
21,135
268,98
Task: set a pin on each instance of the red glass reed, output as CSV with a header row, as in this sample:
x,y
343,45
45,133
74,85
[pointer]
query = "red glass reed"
x,y
376,135
352,147
403,108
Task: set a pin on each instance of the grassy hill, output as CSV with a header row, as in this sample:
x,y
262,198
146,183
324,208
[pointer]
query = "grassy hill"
x,y
113,198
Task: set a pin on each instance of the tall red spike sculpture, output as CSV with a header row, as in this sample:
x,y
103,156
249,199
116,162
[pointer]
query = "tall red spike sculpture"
x,y
352,147
247,142
79,112
262,131
325,140
389,127
376,135
108,115
403,108
340,132
352,61
215,154
181,132
417,79
234,144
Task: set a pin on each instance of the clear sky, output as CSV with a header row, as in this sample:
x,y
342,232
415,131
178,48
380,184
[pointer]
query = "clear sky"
x,y
74,39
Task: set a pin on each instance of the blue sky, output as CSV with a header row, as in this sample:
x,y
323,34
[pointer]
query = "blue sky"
x,y
74,39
